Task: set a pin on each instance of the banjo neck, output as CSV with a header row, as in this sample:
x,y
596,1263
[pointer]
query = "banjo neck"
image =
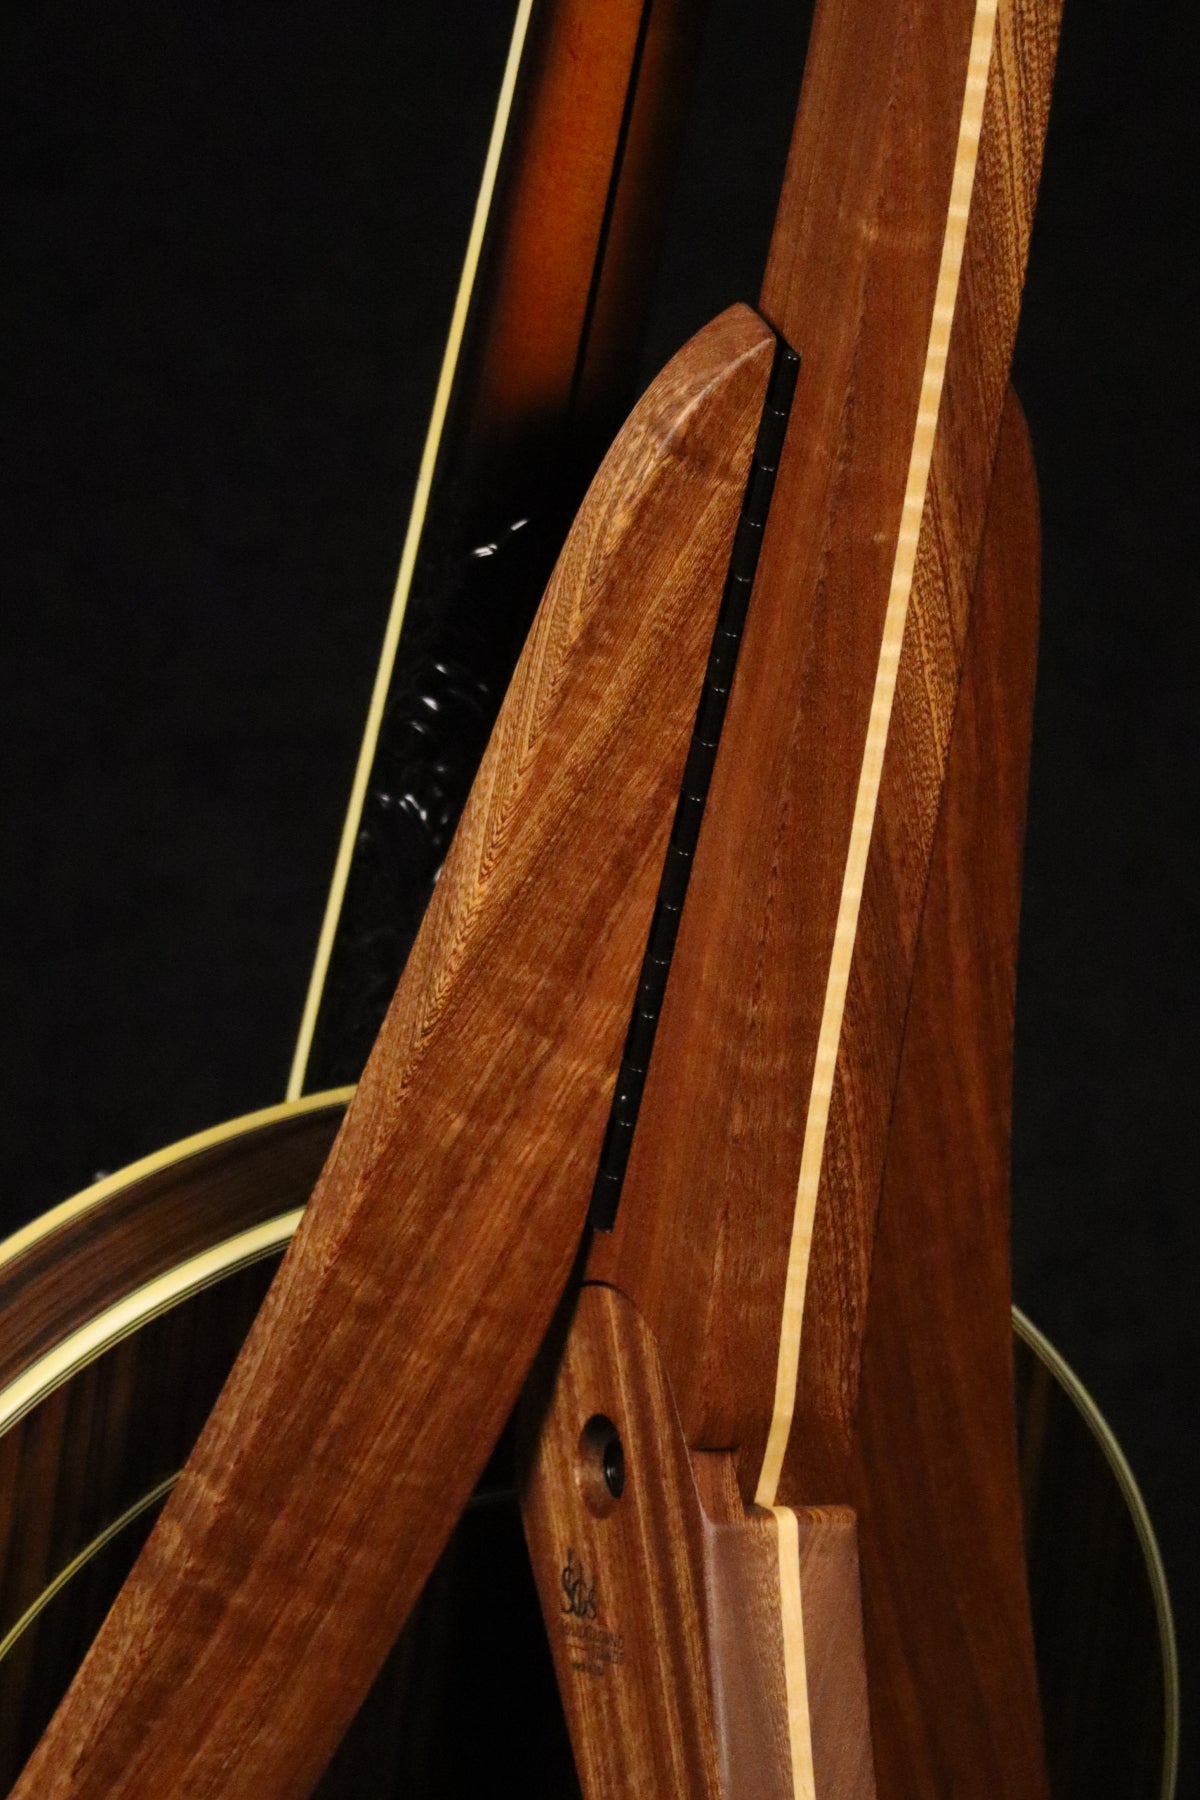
x,y
536,378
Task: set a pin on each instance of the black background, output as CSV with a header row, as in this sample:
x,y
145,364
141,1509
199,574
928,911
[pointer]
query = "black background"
x,y
231,237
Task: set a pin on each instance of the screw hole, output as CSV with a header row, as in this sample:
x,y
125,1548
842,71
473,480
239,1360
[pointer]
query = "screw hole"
x,y
601,1470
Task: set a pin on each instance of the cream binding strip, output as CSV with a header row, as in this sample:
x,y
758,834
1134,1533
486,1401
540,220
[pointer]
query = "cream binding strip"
x,y
408,558
136,1309
67,1211
920,458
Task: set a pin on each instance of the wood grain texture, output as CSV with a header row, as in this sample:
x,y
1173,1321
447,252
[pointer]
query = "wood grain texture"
x,y
786,1580
914,763
444,1223
586,185
837,1702
83,1473
101,1247
629,1642
935,1481
561,292
883,704
663,1603
79,1461
93,1452
896,267
114,1429
853,281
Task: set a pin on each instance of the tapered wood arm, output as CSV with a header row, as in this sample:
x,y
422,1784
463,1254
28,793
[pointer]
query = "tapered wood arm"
x,y
395,1339
670,1605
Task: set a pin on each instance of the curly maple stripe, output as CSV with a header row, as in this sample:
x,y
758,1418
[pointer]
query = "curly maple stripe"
x,y
916,485
795,1665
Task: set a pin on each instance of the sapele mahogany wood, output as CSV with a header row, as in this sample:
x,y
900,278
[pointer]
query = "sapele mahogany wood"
x,y
116,1429
765,1119
936,1475
622,1581
858,259
83,1472
444,1223
935,1480
662,1602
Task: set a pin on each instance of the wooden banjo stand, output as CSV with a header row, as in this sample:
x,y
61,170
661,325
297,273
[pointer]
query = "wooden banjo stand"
x,y
782,1366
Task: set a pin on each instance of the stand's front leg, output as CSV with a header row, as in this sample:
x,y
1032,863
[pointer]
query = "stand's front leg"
x,y
669,1603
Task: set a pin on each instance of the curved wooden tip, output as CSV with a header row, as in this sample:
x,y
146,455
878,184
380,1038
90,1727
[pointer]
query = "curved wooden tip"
x,y
395,1340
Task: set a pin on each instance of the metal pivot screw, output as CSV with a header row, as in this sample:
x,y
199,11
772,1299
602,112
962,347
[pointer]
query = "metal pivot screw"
x,y
613,1464
600,1469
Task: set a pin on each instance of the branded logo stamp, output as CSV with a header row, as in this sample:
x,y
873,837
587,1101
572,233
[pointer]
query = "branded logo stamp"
x,y
592,1648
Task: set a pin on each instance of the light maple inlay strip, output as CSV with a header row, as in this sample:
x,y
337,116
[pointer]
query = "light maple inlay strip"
x,y
795,1667
920,458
